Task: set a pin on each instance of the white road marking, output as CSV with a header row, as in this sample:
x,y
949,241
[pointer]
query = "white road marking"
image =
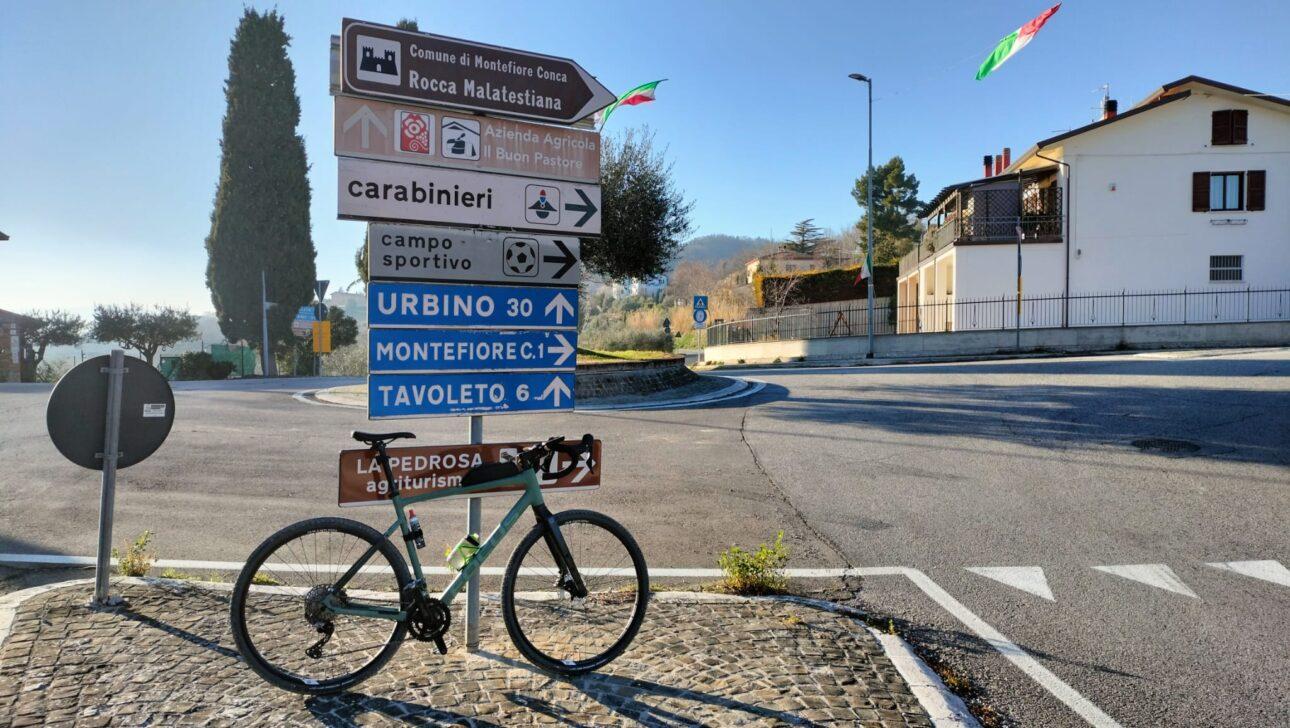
x,y
1157,575
1268,570
1004,646
1026,578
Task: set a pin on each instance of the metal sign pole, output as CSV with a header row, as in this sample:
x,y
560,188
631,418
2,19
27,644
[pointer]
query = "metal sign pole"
x,y
107,495
473,517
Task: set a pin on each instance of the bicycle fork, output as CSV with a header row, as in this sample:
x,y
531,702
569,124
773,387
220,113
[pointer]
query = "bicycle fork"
x,y
570,578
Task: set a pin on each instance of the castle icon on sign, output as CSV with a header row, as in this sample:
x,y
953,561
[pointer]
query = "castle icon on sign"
x,y
378,60
384,64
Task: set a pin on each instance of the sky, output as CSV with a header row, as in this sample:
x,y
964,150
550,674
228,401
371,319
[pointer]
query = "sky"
x,y
110,112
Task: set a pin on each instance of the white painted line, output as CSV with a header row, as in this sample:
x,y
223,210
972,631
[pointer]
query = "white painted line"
x,y
1026,578
740,389
1268,570
943,707
1157,575
1006,647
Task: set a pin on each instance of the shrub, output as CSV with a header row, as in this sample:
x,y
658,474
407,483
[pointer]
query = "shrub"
x,y
170,573
199,365
138,557
264,579
832,284
624,339
755,572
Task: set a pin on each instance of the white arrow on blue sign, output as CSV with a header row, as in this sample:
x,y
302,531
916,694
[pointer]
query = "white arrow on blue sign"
x,y
480,393
406,305
469,350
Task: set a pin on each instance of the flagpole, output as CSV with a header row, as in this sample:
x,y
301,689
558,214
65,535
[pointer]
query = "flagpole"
x,y
868,254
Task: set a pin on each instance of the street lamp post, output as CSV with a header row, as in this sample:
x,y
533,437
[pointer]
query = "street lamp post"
x,y
868,254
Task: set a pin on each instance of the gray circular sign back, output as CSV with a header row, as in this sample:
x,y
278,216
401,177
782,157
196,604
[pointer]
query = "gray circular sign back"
x,y
77,412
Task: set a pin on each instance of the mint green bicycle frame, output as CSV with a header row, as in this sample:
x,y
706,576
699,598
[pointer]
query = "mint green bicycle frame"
x,y
530,498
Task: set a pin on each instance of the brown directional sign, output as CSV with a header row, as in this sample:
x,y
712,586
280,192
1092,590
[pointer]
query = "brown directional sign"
x,y
399,132
420,470
386,62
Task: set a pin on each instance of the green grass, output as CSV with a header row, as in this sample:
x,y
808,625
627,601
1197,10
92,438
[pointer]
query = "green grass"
x,y
756,572
629,354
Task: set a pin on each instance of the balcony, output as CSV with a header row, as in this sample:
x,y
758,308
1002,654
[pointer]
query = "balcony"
x,y
989,212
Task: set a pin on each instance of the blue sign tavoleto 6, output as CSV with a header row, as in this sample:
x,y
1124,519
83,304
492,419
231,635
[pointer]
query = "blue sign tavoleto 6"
x,y
469,350
481,393
468,306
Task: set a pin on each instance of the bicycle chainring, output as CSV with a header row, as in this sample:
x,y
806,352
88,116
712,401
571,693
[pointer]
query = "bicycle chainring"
x,y
428,619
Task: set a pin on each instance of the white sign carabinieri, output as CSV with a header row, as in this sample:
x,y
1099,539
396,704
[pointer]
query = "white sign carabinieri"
x,y
415,253
370,190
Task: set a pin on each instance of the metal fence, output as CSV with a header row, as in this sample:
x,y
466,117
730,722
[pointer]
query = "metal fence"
x,y
1126,308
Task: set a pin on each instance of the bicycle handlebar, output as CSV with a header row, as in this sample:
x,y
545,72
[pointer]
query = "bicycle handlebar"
x,y
542,456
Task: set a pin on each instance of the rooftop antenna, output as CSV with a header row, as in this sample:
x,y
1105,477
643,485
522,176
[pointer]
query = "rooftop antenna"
x,y
1106,96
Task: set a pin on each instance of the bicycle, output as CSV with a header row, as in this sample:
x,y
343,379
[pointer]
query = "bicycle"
x,y
303,630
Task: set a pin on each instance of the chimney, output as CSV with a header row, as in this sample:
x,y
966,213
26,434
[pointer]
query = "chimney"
x,y
1109,108
986,161
998,164
1007,158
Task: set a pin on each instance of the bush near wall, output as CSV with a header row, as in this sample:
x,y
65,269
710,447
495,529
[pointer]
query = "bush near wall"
x,y
823,286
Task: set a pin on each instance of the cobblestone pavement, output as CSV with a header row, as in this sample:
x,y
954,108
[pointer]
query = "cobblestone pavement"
x,y
168,659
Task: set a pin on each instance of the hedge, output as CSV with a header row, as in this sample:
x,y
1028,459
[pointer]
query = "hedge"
x,y
823,286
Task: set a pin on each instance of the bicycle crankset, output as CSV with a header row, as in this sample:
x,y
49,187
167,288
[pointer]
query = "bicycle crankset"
x,y
428,621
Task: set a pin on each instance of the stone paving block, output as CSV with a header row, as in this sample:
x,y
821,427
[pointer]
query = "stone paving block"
x,y
169,659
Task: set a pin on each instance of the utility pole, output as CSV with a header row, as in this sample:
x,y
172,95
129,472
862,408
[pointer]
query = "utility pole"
x,y
868,255
264,323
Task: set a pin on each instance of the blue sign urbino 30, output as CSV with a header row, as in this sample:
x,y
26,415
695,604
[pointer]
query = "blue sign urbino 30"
x,y
483,393
470,350
463,306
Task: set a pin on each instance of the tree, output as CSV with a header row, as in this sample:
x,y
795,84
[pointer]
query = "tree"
x,y
360,260
643,215
145,331
804,238
896,205
260,220
50,328
344,329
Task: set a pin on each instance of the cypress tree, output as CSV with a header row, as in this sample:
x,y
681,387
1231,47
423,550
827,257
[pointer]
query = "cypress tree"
x,y
261,215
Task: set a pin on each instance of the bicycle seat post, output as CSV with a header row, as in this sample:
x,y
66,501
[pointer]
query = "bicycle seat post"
x,y
383,458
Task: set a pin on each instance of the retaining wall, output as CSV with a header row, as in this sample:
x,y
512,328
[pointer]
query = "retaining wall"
x,y
979,343
614,379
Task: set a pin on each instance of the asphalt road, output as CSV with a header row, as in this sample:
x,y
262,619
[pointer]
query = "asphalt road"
x,y
1150,465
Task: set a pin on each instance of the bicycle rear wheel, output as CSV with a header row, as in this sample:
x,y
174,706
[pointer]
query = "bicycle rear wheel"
x,y
279,624
574,636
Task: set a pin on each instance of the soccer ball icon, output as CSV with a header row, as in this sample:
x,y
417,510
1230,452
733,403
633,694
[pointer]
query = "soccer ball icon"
x,y
521,257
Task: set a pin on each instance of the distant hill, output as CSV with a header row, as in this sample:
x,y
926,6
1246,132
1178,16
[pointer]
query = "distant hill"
x,y
713,249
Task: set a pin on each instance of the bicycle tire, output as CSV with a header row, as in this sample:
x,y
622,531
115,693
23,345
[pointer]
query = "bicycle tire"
x,y
277,675
522,641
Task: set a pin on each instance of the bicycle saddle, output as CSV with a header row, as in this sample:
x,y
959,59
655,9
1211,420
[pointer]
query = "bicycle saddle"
x,y
371,438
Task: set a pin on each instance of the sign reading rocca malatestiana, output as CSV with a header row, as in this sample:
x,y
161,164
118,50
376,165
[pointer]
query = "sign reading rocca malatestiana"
x,y
386,62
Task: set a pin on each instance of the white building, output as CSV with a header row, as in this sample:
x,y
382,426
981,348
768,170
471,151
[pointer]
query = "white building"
x,y
1188,190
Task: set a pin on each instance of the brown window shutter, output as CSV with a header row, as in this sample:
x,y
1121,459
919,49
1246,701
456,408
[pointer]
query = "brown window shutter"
x,y
1200,191
1256,181
1240,121
1221,130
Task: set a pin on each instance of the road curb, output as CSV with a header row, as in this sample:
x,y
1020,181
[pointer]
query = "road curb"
x,y
739,389
943,706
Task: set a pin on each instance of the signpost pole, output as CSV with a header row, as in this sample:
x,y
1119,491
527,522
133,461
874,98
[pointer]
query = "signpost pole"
x,y
473,517
107,492
264,323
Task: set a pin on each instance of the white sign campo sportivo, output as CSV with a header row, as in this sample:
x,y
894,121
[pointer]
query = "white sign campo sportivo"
x,y
370,190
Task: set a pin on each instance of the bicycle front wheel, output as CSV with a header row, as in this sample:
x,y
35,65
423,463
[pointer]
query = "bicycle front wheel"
x,y
282,628
574,636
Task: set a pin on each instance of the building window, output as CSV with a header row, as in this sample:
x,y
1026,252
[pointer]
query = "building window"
x,y
1229,127
1226,268
1226,191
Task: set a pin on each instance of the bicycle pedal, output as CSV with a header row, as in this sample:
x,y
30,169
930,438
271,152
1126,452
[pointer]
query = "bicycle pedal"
x,y
441,645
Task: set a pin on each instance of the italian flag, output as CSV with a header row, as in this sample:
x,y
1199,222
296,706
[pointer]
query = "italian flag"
x,y
642,94
1015,41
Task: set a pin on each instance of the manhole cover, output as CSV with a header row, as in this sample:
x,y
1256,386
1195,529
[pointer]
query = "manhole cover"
x,y
1165,445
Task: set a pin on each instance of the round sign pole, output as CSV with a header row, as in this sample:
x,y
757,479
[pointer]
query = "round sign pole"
x,y
474,509
115,371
